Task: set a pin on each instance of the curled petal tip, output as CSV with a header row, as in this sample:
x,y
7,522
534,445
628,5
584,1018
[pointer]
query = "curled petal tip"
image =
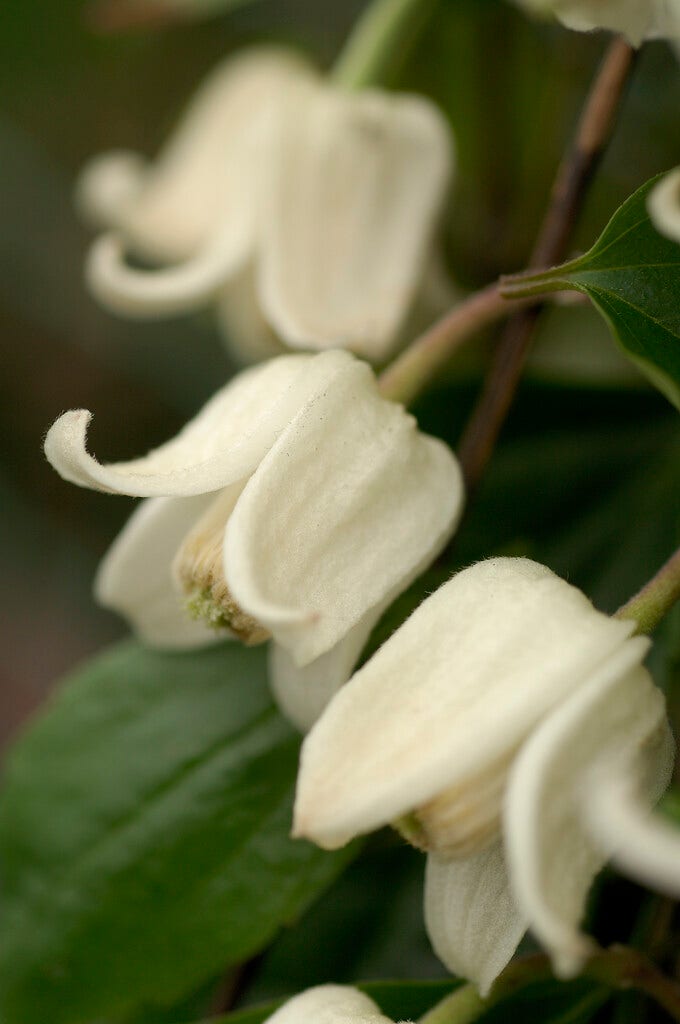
x,y
65,441
156,293
106,185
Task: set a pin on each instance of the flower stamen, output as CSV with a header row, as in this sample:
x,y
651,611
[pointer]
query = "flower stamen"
x,y
198,570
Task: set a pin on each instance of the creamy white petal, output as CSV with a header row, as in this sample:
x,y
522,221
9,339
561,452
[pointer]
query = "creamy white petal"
x,y
135,576
157,293
329,1004
209,171
664,205
303,693
358,185
247,336
223,443
636,19
450,695
472,920
615,718
107,185
343,507
641,843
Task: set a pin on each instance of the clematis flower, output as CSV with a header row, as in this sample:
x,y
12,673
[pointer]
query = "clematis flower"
x,y
329,1004
485,727
303,213
636,19
296,505
664,205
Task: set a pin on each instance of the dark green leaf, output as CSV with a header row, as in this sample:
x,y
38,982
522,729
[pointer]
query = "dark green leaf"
x,y
549,1002
632,275
144,835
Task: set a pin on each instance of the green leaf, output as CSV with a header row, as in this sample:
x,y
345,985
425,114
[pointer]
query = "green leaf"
x,y
549,1002
144,835
632,275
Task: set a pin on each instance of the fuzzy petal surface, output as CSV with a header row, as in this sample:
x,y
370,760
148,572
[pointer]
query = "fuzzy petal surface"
x,y
472,920
329,1004
449,696
614,719
664,205
222,444
209,171
135,577
348,501
357,189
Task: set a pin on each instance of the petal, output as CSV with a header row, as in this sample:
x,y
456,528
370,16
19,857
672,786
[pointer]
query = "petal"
x,y
641,844
450,695
634,18
135,577
359,182
615,717
347,503
472,920
209,171
107,185
158,293
303,693
247,336
223,443
663,205
329,1004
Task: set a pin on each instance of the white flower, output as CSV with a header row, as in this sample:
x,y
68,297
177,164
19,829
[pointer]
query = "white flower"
x,y
329,1004
487,724
304,212
636,19
663,205
298,503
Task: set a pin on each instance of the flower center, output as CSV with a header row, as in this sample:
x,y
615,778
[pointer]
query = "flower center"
x,y
198,569
463,819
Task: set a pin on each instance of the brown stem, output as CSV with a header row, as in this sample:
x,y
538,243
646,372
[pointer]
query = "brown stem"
x,y
593,133
407,376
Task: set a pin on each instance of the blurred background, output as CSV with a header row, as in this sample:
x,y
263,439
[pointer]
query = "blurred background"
x,y
586,477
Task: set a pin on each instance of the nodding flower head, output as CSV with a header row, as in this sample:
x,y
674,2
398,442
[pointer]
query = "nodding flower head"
x,y
296,505
304,213
481,729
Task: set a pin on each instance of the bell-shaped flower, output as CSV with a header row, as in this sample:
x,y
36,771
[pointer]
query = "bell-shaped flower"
x,y
663,205
329,1004
306,214
483,728
636,19
297,504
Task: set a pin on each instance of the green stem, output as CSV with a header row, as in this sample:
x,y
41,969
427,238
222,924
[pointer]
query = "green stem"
x,y
649,606
382,36
411,372
618,968
463,1006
